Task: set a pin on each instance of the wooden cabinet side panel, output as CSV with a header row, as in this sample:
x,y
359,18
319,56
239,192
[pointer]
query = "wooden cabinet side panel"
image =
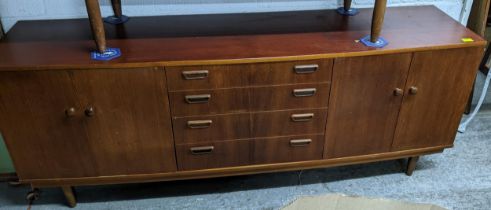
x,y
130,131
363,109
431,116
42,141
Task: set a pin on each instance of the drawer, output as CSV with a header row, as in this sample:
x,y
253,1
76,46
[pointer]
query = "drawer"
x,y
288,149
214,155
242,75
291,122
248,125
233,100
303,96
185,103
213,127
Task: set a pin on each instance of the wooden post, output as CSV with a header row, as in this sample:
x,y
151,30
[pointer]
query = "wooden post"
x,y
118,11
478,16
377,19
69,193
1,31
411,165
347,5
94,12
478,19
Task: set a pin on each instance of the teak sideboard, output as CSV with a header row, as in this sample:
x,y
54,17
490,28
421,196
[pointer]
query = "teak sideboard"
x,y
219,95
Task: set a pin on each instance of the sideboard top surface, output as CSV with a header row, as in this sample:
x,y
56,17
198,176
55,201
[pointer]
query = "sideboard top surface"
x,y
228,38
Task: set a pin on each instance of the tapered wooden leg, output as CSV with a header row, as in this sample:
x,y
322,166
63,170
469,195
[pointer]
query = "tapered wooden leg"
x,y
377,19
347,5
69,193
411,165
96,24
118,11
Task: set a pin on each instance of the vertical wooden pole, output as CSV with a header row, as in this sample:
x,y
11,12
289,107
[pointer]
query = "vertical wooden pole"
x,y
96,24
347,5
1,31
478,19
377,19
69,193
118,11
411,165
478,16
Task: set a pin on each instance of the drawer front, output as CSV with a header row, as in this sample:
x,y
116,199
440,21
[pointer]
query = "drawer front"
x,y
283,123
242,75
249,125
288,149
290,97
187,103
214,155
214,127
219,101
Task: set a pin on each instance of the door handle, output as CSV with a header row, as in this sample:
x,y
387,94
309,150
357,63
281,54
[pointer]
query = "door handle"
x,y
202,150
89,112
196,124
70,112
306,69
413,90
398,92
193,75
302,117
304,92
197,99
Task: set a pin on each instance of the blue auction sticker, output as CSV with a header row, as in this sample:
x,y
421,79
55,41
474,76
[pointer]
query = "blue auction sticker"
x,y
109,54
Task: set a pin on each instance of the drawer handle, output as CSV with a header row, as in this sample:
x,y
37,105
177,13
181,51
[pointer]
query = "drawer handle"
x,y
304,92
306,69
196,124
198,99
202,150
190,75
300,142
302,117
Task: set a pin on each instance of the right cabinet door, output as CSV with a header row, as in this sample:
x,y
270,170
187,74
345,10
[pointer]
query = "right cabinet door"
x,y
365,99
437,88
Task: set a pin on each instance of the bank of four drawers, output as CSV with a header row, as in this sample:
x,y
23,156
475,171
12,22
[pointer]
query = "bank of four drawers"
x,y
230,115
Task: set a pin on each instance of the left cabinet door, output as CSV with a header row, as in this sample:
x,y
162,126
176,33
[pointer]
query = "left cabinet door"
x,y
127,117
40,122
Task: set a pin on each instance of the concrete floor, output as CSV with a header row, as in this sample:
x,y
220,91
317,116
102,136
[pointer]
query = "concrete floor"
x,y
460,178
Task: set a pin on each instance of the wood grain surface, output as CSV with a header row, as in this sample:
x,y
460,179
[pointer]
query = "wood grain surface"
x,y
227,76
130,123
443,80
228,38
363,109
234,100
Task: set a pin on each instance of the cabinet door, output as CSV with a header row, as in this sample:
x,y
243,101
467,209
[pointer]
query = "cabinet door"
x,y
431,114
363,105
127,120
42,140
